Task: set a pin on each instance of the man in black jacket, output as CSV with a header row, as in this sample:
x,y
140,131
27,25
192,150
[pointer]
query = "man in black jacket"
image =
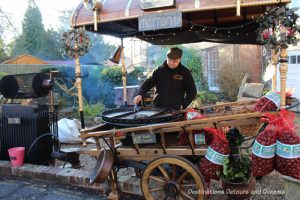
x,y
175,86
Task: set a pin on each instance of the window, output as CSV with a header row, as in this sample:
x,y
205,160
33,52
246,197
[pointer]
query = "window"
x,y
298,59
293,59
212,69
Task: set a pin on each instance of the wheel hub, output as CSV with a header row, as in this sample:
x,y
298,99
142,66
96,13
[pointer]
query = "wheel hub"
x,y
171,189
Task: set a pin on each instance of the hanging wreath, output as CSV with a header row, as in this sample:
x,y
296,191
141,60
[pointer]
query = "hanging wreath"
x,y
278,28
69,38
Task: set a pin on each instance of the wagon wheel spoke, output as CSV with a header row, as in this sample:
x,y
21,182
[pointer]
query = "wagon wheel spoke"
x,y
184,194
174,171
157,178
176,175
164,172
189,185
182,176
170,198
180,197
156,189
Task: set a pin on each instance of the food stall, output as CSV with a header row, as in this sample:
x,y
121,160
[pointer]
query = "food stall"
x,y
162,145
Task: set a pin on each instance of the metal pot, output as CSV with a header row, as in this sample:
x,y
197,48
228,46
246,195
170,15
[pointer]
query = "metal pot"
x,y
102,167
239,190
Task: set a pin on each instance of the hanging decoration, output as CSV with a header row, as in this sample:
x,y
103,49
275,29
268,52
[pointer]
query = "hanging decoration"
x,y
71,37
278,28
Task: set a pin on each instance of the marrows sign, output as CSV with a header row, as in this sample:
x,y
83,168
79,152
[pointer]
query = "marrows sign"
x,y
163,20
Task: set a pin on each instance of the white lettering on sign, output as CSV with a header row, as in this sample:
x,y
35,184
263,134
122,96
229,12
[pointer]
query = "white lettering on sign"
x,y
158,21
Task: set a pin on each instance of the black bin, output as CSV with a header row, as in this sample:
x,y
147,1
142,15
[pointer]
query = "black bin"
x,y
22,125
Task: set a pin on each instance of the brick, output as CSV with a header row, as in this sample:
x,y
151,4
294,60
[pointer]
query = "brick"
x,y
51,173
82,177
16,171
42,172
26,170
5,167
3,162
63,175
72,176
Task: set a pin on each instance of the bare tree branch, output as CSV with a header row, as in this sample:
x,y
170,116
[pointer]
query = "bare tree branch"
x,y
6,24
63,86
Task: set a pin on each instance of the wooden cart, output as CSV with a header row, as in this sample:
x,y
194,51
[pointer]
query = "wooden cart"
x,y
165,167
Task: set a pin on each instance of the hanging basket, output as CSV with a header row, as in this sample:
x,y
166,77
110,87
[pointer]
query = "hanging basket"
x,y
71,37
278,28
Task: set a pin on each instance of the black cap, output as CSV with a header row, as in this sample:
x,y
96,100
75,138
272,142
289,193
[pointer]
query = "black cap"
x,y
174,53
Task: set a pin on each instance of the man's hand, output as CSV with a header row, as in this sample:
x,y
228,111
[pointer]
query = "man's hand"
x,y
137,99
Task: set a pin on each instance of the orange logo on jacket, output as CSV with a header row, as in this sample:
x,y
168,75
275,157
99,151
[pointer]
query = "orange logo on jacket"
x,y
177,77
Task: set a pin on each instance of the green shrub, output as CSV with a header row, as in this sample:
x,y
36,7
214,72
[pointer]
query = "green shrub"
x,y
2,74
93,109
49,69
207,97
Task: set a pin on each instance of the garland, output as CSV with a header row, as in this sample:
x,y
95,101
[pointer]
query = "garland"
x,y
278,28
69,38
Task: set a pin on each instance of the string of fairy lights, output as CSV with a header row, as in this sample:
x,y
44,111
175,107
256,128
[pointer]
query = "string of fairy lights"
x,y
251,27
229,31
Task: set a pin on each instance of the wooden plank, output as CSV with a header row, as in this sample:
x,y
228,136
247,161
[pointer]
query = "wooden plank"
x,y
128,153
192,127
125,153
236,103
237,123
173,124
89,151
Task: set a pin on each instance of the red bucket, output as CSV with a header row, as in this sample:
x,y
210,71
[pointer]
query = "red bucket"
x,y
16,156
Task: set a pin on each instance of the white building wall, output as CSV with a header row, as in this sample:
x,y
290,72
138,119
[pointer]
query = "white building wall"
x,y
293,73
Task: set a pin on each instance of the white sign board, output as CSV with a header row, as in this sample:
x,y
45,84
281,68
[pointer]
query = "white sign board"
x,y
163,20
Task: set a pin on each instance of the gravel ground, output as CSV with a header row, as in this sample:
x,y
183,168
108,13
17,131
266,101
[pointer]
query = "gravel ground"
x,y
269,187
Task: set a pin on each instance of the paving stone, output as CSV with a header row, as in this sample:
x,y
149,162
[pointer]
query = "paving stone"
x,y
16,188
8,188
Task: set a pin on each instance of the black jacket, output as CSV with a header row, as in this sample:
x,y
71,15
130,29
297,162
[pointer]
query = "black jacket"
x,y
174,87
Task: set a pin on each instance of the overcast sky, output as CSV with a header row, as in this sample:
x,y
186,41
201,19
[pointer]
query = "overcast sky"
x,y
50,9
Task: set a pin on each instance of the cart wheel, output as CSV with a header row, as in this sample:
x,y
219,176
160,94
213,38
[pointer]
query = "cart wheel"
x,y
172,177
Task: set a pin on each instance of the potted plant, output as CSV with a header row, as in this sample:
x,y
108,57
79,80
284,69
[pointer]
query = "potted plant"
x,y
236,178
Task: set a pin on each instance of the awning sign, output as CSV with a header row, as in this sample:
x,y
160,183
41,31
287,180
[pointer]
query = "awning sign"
x,y
163,20
152,4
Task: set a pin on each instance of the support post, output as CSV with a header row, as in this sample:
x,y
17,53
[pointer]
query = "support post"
x,y
238,7
79,86
283,74
124,79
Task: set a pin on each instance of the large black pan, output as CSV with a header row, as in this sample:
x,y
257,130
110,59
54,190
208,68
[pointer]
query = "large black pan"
x,y
128,116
